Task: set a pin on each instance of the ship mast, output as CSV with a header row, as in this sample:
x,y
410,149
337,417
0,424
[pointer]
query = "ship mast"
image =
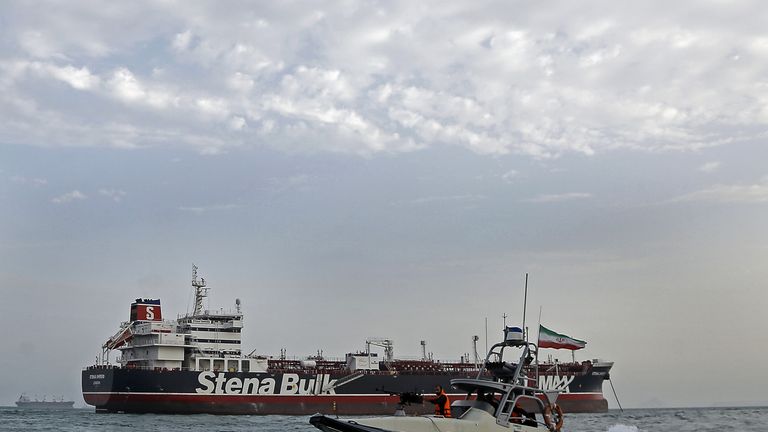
x,y
201,291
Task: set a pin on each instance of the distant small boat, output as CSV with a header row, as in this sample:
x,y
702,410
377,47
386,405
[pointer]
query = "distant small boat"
x,y
25,402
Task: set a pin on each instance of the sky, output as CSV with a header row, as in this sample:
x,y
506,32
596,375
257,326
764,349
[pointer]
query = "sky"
x,y
392,169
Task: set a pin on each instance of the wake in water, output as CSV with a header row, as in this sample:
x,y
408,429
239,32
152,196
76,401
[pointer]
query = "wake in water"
x,y
622,428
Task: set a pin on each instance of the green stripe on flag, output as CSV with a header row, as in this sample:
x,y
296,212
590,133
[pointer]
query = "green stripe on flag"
x,y
549,332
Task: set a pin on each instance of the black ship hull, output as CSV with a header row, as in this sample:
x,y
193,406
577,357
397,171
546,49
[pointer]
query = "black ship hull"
x,y
133,390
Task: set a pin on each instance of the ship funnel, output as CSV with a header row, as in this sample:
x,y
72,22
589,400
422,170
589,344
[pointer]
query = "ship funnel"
x,y
146,310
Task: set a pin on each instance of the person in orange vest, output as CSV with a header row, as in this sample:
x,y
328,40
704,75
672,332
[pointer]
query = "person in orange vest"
x,y
442,403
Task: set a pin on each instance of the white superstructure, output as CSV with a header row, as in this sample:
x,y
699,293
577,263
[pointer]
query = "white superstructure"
x,y
201,341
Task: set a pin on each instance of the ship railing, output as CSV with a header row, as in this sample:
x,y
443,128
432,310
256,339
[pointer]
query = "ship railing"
x,y
294,359
154,368
213,313
292,367
339,370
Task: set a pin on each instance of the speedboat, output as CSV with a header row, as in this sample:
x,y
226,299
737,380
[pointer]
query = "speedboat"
x,y
508,401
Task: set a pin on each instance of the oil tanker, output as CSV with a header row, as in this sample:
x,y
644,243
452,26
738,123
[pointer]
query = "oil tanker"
x,y
194,364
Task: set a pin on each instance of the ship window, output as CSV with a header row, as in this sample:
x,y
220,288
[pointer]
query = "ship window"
x,y
205,364
218,365
246,365
215,341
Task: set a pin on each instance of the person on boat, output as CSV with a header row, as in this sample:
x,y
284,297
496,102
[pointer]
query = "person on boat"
x,y
442,403
487,397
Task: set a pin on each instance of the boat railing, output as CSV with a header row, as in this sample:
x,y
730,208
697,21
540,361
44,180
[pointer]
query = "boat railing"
x,y
507,412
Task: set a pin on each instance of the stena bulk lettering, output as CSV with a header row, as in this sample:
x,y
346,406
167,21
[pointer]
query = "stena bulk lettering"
x,y
290,384
205,380
267,386
234,386
327,382
306,386
220,383
250,386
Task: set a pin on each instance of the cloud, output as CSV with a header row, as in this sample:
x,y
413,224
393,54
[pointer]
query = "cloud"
x,y
181,41
68,197
510,176
115,195
739,193
543,80
548,198
36,44
443,199
126,87
212,208
281,184
709,167
30,181
78,78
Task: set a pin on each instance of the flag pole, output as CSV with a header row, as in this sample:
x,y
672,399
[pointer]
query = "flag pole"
x,y
538,331
538,336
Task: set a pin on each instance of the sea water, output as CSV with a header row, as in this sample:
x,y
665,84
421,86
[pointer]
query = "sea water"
x,y
633,420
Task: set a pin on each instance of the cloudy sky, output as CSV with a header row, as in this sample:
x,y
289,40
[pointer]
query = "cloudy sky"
x,y
355,169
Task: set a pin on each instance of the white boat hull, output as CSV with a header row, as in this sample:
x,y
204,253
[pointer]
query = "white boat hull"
x,y
474,420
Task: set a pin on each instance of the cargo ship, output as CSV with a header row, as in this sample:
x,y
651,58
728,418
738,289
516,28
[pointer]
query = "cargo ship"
x,y
194,364
25,402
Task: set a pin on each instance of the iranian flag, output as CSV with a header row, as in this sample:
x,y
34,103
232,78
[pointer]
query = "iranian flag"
x,y
550,339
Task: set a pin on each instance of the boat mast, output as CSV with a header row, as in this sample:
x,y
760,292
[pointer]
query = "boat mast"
x,y
525,304
201,291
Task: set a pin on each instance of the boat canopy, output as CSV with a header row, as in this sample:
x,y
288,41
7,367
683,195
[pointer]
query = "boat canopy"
x,y
470,385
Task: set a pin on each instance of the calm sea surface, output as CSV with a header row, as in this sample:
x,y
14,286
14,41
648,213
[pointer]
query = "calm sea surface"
x,y
698,419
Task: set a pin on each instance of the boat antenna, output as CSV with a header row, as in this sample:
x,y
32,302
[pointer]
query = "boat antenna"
x,y
525,303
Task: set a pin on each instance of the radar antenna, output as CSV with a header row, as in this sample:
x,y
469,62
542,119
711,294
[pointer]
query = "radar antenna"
x,y
201,291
